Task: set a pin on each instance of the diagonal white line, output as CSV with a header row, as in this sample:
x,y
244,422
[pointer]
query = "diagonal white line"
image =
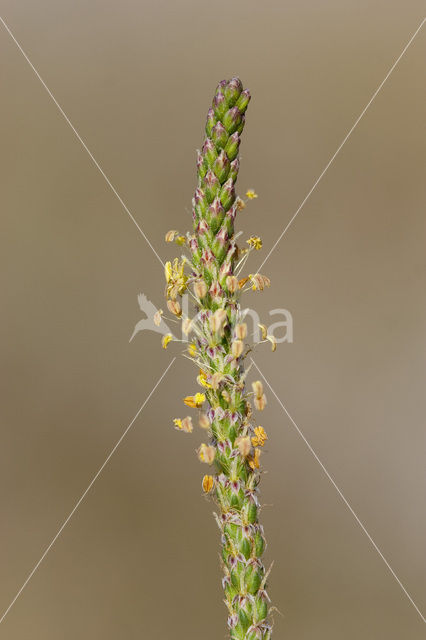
x,y
80,139
341,144
92,482
341,494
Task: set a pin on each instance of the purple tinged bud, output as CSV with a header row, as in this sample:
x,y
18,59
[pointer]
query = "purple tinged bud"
x,y
220,86
232,621
235,416
222,237
221,445
212,185
222,479
219,413
243,100
227,194
216,210
231,120
219,135
234,168
235,486
226,581
207,257
210,122
232,146
198,196
193,245
209,152
232,212
232,91
225,270
221,166
216,290
241,125
219,105
203,227
215,214
231,251
210,415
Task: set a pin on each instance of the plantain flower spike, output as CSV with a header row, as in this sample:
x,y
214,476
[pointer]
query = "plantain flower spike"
x,y
218,331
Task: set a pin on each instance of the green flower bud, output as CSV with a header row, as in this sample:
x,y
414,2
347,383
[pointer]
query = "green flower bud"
x,y
232,146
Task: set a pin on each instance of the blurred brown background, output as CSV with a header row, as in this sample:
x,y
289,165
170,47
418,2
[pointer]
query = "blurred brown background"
x,y
139,557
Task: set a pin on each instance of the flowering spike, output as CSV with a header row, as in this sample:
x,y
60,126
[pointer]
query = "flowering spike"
x,y
218,347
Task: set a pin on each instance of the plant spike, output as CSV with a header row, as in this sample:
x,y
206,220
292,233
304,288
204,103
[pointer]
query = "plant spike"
x,y
218,348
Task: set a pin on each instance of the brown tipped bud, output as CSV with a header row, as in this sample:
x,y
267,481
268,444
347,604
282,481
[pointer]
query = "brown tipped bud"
x,y
241,331
174,307
200,289
232,284
203,421
244,445
237,348
257,387
260,402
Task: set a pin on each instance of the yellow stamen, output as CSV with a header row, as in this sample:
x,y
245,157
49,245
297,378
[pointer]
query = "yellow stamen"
x,y
166,339
255,242
208,482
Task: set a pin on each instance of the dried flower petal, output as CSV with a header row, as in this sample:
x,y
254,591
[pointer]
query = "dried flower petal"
x,y
264,330
206,453
174,307
244,445
272,341
203,421
171,235
157,317
241,331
